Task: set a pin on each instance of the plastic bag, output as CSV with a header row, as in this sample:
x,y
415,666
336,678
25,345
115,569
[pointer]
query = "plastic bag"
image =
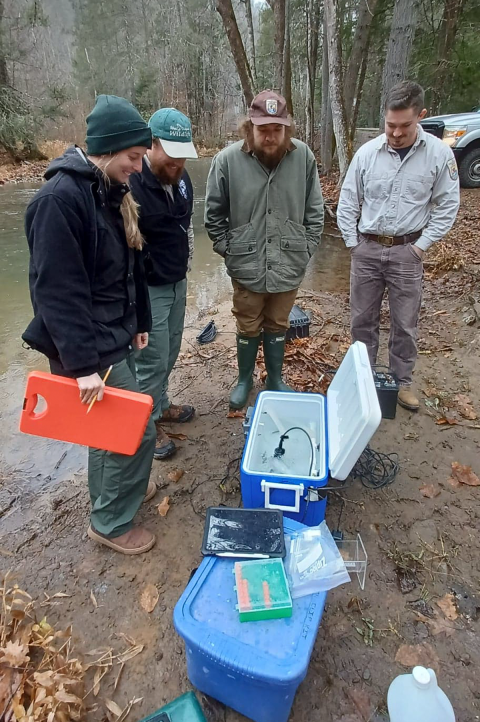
x,y
313,562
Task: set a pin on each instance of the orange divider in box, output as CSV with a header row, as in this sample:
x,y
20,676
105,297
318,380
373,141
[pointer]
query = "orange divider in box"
x,y
266,595
117,423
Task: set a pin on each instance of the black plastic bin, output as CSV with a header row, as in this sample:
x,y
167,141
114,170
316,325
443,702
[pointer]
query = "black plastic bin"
x,y
387,390
299,324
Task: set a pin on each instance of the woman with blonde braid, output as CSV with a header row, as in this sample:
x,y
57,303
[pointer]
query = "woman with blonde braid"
x,y
90,298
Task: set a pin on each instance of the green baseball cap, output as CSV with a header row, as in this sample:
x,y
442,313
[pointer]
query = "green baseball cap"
x,y
174,131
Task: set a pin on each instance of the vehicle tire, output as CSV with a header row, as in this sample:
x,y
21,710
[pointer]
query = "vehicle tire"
x,y
469,169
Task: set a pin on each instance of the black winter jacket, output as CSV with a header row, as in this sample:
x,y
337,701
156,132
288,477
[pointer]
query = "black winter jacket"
x,y
88,288
164,225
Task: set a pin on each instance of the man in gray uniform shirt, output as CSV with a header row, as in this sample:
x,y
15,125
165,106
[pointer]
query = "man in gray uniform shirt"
x,y
400,195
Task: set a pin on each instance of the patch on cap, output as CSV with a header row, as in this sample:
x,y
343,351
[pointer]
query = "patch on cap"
x,y
272,106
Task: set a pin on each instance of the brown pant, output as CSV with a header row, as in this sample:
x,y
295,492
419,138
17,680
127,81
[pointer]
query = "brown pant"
x,y
398,269
257,311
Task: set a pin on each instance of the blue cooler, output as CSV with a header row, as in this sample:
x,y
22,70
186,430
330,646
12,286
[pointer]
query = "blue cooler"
x,y
253,667
297,440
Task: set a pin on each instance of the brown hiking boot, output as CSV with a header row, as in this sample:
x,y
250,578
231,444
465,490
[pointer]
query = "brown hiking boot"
x,y
178,414
407,399
136,541
164,446
151,491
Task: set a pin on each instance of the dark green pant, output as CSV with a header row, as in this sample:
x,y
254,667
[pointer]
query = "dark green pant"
x,y
156,361
118,483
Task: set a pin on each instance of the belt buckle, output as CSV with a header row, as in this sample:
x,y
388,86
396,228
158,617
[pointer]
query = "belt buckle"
x,y
388,241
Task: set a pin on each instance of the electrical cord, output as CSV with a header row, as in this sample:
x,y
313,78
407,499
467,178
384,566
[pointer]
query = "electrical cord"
x,y
280,451
376,470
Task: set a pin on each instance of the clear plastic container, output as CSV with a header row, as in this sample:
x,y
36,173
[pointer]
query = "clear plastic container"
x,y
416,697
355,557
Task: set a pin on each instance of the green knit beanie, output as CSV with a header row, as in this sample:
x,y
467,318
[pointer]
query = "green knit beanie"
x,y
113,125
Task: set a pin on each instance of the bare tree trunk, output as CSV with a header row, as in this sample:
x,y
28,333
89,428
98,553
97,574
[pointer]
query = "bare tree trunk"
x,y
287,62
225,9
358,97
313,26
129,48
4,79
326,114
360,47
452,12
344,146
251,39
283,67
402,33
278,8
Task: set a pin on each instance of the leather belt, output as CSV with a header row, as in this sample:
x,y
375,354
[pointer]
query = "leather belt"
x,y
393,240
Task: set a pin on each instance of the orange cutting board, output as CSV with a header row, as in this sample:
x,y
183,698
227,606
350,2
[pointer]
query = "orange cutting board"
x,y
117,423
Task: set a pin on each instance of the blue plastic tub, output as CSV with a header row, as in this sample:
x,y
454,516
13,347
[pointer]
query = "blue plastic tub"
x,y
253,667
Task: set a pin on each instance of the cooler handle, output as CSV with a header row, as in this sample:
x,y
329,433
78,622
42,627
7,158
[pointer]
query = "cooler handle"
x,y
266,486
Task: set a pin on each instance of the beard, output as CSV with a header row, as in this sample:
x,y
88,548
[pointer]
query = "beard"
x,y
272,159
165,176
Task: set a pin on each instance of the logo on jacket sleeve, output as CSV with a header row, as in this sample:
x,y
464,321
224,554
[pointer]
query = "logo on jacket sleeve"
x,y
272,106
452,168
182,187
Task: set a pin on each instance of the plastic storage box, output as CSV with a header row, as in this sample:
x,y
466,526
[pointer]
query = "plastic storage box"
x,y
253,668
262,590
182,709
299,324
322,436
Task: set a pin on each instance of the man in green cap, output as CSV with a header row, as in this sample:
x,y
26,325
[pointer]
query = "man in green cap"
x,y
264,214
165,194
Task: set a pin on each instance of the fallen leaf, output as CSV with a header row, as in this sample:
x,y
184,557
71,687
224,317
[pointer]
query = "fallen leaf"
x,y
362,702
236,415
149,597
463,475
14,654
122,665
67,698
465,407
113,707
44,679
130,653
59,595
446,421
180,437
429,490
127,638
175,475
437,625
94,601
448,607
413,655
164,506
100,673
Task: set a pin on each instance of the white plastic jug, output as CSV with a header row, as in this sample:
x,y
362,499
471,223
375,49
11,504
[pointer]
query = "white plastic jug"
x,y
416,697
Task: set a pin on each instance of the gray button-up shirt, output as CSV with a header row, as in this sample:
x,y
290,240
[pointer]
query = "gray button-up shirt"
x,y
384,195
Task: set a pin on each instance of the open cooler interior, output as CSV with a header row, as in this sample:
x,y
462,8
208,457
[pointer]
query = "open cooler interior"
x,y
302,418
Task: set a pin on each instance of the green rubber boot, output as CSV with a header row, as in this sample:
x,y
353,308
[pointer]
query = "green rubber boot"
x,y
274,350
247,348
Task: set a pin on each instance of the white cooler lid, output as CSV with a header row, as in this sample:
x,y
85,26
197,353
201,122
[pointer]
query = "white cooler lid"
x,y
353,411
